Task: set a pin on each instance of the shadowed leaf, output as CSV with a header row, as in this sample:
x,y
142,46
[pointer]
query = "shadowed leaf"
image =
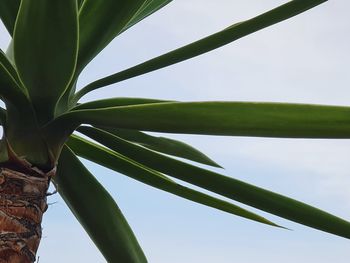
x,y
135,170
8,13
45,50
99,23
115,102
96,211
2,116
222,118
229,187
163,145
229,34
148,8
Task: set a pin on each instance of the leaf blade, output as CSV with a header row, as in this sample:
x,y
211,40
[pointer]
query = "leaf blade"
x,y
242,192
150,7
96,210
163,145
132,169
47,33
230,34
10,89
285,120
99,23
2,116
116,102
8,13
80,3
11,69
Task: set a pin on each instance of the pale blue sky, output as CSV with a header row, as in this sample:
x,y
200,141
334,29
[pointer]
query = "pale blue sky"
x,y
305,59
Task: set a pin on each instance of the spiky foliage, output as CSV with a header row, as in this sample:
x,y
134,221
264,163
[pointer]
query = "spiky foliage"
x,y
52,42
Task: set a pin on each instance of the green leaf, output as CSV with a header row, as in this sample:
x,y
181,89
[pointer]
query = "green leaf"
x,y
110,139
228,35
11,70
80,3
229,187
135,170
163,145
10,90
96,210
45,50
99,23
10,53
115,102
2,116
148,8
57,138
222,118
21,127
8,13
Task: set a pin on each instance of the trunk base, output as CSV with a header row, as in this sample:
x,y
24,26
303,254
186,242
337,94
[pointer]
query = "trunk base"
x,y
22,204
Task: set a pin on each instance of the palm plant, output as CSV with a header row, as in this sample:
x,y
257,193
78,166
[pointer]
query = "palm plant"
x,y
51,45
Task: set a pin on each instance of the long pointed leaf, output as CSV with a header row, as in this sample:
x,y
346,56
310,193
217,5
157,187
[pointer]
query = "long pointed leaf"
x,y
163,145
8,13
99,23
10,90
116,102
45,50
9,67
111,140
222,118
230,34
237,190
21,126
96,211
148,176
149,7
2,116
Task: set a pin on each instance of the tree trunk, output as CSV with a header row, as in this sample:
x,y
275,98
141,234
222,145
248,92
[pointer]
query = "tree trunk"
x,y
23,191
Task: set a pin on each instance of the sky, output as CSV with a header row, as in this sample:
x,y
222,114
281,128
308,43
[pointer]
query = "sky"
x,y
305,60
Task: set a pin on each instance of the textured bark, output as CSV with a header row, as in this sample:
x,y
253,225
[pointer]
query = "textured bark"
x,y
23,192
